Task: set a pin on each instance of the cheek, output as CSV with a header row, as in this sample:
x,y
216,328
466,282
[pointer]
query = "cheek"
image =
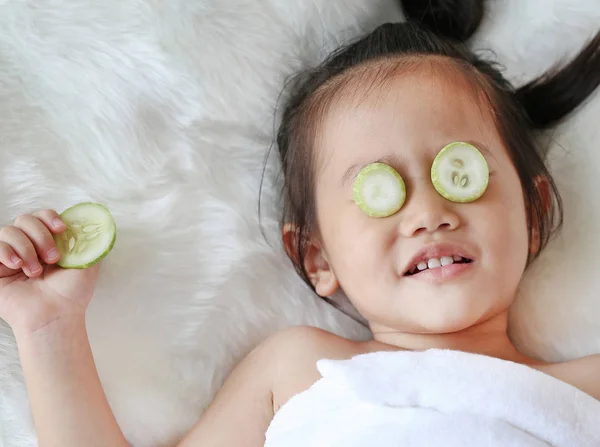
x,y
356,246
507,226
353,243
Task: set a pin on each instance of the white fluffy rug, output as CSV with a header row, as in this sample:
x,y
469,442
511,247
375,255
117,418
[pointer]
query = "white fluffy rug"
x,y
164,111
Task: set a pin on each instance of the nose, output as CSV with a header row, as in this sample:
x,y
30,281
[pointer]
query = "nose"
x,y
425,211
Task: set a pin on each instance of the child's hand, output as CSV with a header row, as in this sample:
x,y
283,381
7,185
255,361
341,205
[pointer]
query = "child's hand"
x,y
34,293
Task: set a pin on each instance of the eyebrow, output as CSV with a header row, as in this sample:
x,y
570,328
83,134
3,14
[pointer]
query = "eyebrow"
x,y
394,160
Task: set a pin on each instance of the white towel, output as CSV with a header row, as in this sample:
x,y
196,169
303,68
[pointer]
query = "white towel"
x,y
435,398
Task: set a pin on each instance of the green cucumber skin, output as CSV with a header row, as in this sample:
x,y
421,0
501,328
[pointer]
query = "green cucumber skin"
x,y
440,189
97,260
108,250
363,206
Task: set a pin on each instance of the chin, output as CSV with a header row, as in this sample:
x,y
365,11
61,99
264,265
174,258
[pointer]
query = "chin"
x,y
447,321
447,327
433,323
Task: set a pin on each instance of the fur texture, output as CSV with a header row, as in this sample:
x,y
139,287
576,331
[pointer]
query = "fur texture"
x,y
164,112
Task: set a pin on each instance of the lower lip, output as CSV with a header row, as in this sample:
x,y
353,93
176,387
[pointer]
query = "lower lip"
x,y
443,274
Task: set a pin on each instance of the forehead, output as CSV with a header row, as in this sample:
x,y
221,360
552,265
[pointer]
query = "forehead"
x,y
410,114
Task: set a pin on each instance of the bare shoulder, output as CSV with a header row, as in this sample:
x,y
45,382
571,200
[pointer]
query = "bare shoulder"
x,y
582,373
276,369
297,350
309,338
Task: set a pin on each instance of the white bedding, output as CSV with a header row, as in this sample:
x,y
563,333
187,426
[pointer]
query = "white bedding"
x,y
163,110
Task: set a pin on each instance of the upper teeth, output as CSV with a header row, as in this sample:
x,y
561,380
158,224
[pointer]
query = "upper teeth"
x,y
434,263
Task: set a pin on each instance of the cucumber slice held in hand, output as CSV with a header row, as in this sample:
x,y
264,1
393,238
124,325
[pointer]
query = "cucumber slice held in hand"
x,y
379,190
460,173
91,234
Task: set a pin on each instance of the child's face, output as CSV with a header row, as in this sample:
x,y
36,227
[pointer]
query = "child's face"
x,y
409,121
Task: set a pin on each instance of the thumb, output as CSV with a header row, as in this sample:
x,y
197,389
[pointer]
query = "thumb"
x,y
87,275
6,272
91,273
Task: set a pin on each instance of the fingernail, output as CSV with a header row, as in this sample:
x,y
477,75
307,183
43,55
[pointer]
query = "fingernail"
x,y
57,223
35,268
52,253
16,260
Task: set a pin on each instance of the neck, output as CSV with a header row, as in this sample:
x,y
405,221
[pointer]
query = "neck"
x,y
489,337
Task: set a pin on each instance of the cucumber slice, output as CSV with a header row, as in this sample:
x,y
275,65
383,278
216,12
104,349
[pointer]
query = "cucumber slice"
x,y
91,234
379,190
460,172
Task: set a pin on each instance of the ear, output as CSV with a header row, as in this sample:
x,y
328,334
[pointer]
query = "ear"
x,y
316,263
543,188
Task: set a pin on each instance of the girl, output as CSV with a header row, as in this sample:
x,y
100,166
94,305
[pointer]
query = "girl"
x,y
413,182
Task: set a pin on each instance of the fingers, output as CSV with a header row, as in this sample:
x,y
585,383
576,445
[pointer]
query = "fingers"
x,y
28,241
52,220
23,248
8,257
5,272
10,263
40,236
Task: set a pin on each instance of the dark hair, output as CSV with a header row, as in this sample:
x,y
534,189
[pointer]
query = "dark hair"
x,y
436,28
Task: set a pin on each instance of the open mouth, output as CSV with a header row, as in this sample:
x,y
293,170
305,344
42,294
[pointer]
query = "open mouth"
x,y
435,263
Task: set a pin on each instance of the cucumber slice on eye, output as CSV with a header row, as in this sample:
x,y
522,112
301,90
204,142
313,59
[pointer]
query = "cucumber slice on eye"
x,y
379,190
460,173
91,234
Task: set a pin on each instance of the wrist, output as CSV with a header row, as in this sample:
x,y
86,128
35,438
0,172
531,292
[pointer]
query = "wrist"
x,y
53,335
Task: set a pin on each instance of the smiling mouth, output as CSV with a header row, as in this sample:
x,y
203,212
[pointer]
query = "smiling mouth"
x,y
434,263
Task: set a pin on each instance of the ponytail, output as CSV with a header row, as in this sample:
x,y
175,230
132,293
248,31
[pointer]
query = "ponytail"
x,y
554,95
547,99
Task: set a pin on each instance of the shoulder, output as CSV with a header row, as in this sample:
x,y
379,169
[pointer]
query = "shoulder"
x,y
308,343
280,357
306,336
297,350
275,370
295,347
582,373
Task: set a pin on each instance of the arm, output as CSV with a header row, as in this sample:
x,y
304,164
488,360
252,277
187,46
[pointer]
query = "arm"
x,y
67,401
69,406
243,409
279,368
45,306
